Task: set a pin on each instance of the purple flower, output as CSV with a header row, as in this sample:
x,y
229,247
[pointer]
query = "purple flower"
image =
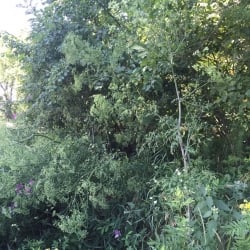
x,y
12,206
29,98
14,116
31,182
19,188
27,190
117,233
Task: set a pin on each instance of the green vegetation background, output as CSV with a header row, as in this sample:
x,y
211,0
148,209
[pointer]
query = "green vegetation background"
x,y
129,128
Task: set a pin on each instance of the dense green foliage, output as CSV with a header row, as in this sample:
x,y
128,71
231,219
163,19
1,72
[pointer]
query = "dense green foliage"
x,y
10,77
132,129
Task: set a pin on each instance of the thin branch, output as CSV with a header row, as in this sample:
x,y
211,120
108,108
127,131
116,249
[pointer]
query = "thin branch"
x,y
196,89
184,151
3,86
41,135
203,226
109,14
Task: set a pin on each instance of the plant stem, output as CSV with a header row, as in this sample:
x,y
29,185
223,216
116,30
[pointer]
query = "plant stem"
x,y
203,226
184,152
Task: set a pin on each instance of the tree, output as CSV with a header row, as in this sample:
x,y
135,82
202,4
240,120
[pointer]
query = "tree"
x,y
130,115
10,78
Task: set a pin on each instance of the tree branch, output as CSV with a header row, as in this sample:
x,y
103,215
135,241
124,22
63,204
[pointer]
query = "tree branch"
x,y
183,149
41,135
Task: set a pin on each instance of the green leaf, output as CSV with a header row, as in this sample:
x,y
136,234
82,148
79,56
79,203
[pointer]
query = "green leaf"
x,y
248,93
200,206
211,228
207,214
209,201
222,205
237,215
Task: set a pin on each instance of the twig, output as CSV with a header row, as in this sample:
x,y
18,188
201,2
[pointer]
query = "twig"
x,y
33,135
203,226
184,151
